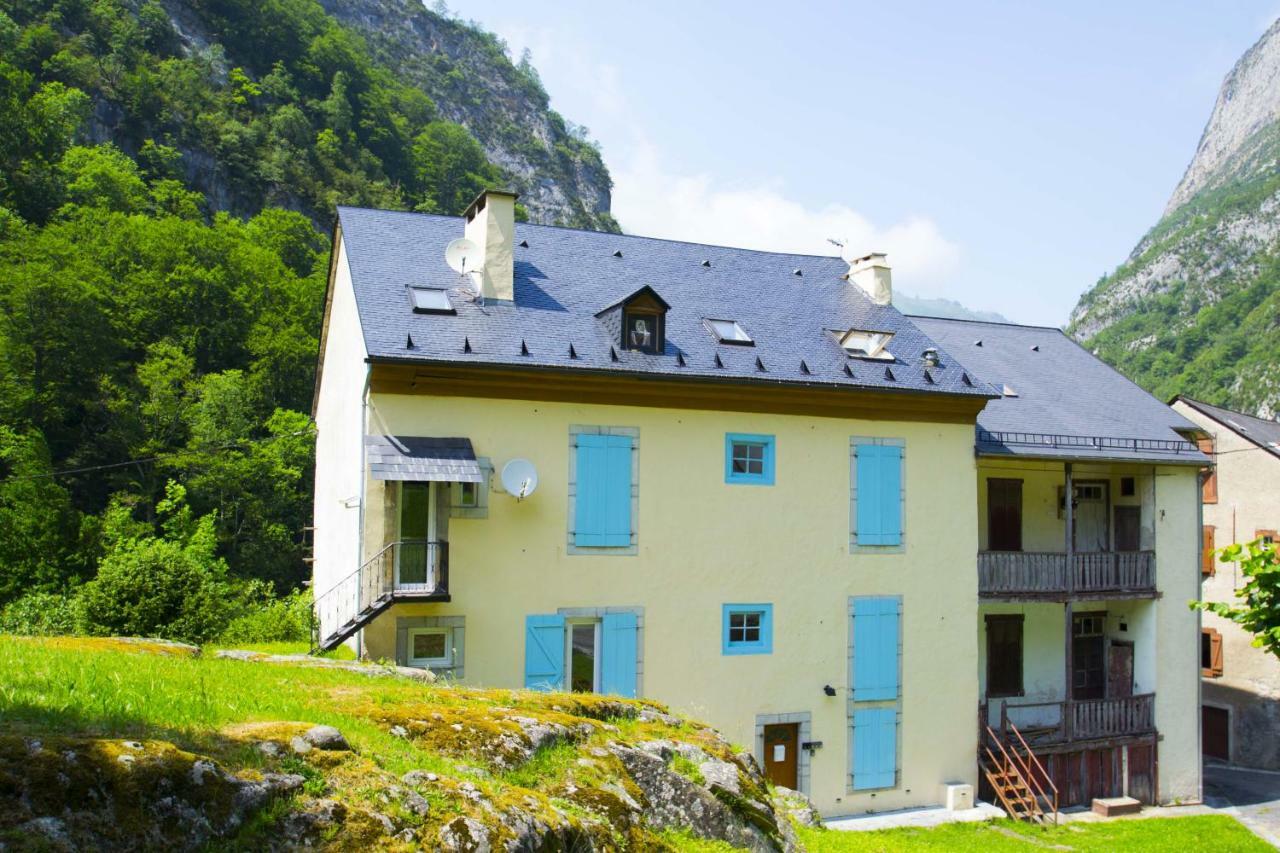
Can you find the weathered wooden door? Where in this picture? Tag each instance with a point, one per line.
(1119, 670)
(1128, 528)
(1090, 527)
(782, 754)
(1004, 514)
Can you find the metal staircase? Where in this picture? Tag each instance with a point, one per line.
(1019, 780)
(354, 602)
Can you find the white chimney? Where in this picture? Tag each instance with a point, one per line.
(873, 274)
(491, 225)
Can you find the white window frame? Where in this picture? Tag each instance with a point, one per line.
(430, 663)
(598, 628)
(434, 300)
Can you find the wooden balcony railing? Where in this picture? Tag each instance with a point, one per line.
(1046, 723)
(1045, 574)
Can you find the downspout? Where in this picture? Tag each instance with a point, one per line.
(364, 479)
(1201, 478)
(1068, 499)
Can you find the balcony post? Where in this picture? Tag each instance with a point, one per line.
(1068, 608)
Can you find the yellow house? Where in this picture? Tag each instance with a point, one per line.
(1241, 503)
(737, 482)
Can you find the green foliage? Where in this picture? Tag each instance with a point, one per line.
(41, 614)
(272, 620)
(1258, 608)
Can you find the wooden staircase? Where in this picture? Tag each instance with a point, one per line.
(1018, 778)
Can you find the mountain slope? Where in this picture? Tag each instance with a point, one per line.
(1195, 309)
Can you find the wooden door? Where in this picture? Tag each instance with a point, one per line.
(1119, 670)
(782, 754)
(1004, 514)
(1090, 531)
(1128, 528)
(1215, 735)
(1088, 656)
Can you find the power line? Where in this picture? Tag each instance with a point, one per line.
(146, 460)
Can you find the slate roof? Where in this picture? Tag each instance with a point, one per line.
(564, 277)
(1262, 432)
(416, 458)
(1069, 403)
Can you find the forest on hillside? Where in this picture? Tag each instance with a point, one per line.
(164, 213)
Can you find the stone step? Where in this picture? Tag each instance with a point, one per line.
(1113, 806)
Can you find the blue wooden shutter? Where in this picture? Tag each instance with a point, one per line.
(602, 511)
(544, 652)
(875, 748)
(875, 649)
(879, 494)
(618, 667)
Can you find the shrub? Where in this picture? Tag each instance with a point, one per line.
(41, 614)
(272, 620)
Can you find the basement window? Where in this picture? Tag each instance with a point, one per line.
(859, 343)
(729, 332)
(430, 300)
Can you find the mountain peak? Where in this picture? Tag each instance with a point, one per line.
(1248, 102)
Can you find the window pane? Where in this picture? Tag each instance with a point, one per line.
(467, 494)
(748, 457)
(413, 510)
(744, 627)
(583, 674)
(430, 299)
(429, 646)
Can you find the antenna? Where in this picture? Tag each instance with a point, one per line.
(519, 478)
(462, 255)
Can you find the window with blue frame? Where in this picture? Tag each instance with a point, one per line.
(747, 629)
(748, 459)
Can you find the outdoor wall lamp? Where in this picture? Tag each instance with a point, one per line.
(828, 689)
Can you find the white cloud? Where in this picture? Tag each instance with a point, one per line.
(651, 201)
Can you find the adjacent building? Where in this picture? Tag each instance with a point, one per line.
(1241, 504)
(743, 484)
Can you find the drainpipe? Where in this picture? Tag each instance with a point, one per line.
(1201, 478)
(1069, 609)
(364, 478)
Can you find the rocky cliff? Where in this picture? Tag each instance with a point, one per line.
(1195, 308)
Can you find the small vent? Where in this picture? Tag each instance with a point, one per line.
(804, 368)
(408, 343)
(1035, 348)
(680, 359)
(888, 374)
(760, 365)
(706, 263)
(797, 272)
(466, 345)
(524, 348)
(964, 377)
(848, 371)
(617, 253)
(928, 377)
(719, 363)
(978, 343)
(524, 244)
(613, 354)
(573, 353)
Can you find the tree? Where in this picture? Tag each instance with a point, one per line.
(1258, 609)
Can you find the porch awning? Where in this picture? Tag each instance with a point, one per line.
(420, 458)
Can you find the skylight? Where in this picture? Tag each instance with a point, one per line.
(730, 332)
(863, 344)
(430, 300)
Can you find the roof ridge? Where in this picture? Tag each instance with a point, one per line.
(604, 234)
(974, 322)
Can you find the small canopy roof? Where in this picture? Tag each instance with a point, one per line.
(420, 458)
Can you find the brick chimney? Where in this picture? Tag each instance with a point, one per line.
(873, 274)
(491, 225)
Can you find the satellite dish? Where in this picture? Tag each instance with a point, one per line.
(519, 478)
(462, 255)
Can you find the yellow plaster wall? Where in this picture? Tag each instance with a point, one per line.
(703, 543)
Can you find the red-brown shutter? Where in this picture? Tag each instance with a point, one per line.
(1215, 653)
(1209, 492)
(1206, 555)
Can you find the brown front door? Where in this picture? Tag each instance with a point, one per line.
(1215, 736)
(1088, 646)
(1119, 670)
(782, 754)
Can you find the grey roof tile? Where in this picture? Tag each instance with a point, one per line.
(1069, 404)
(398, 457)
(566, 277)
(1262, 432)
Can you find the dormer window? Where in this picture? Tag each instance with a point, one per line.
(729, 332)
(639, 321)
(430, 300)
(864, 344)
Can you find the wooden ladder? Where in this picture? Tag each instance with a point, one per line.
(1016, 779)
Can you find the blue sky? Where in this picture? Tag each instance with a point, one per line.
(1005, 154)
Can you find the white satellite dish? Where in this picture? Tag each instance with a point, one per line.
(462, 255)
(519, 478)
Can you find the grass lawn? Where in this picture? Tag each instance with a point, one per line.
(285, 648)
(1218, 833)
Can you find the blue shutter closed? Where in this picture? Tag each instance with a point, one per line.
(544, 652)
(875, 748)
(602, 509)
(875, 649)
(618, 667)
(879, 494)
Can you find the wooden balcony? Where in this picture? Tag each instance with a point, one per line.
(1048, 724)
(1044, 576)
